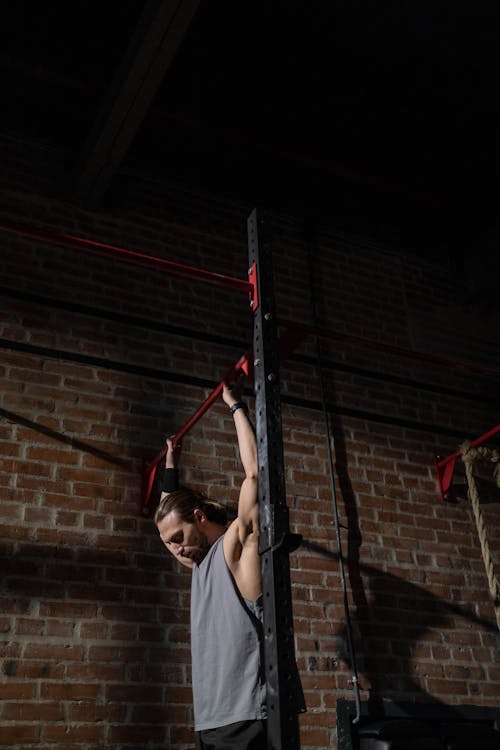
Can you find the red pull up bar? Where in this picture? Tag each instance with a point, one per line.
(286, 344)
(149, 471)
(446, 466)
(72, 242)
(390, 349)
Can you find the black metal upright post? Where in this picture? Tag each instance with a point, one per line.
(283, 688)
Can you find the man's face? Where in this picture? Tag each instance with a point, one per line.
(184, 540)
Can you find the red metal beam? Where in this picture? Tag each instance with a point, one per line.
(73, 242)
(446, 466)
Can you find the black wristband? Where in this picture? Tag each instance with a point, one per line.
(170, 480)
(238, 405)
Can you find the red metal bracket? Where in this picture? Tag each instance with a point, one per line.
(254, 290)
(446, 466)
(444, 469)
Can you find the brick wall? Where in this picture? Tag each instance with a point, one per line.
(99, 361)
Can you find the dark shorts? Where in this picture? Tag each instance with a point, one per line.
(243, 735)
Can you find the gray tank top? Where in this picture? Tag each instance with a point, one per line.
(226, 647)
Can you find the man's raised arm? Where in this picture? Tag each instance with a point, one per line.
(171, 476)
(248, 500)
(241, 542)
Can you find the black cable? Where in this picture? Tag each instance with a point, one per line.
(331, 442)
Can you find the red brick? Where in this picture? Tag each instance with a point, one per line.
(37, 711)
(134, 693)
(54, 651)
(52, 455)
(17, 690)
(447, 687)
(73, 691)
(12, 735)
(128, 733)
(95, 671)
(315, 737)
(66, 733)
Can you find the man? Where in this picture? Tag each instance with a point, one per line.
(226, 609)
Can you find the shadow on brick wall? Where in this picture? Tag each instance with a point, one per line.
(60, 437)
(409, 643)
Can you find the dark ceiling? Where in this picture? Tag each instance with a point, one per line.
(381, 115)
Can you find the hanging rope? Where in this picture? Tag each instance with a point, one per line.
(469, 457)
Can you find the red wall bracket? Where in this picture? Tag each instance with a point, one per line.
(254, 290)
(446, 466)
